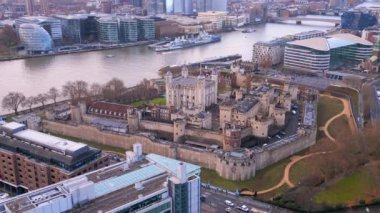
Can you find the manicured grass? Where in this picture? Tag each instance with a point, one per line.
(350, 92)
(222, 90)
(274, 193)
(264, 179)
(351, 188)
(339, 126)
(92, 144)
(328, 108)
(301, 169)
(155, 101)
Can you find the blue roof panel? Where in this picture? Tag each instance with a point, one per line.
(116, 183)
(336, 43)
(171, 164)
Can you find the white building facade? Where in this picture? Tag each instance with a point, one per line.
(189, 92)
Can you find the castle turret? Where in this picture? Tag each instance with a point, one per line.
(185, 72)
(214, 77)
(133, 121)
(179, 128)
(201, 96)
(231, 138)
(168, 86)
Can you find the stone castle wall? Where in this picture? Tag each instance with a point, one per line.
(229, 169)
(156, 126)
(269, 157)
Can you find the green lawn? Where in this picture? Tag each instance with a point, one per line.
(155, 101)
(264, 179)
(222, 90)
(92, 144)
(339, 126)
(349, 189)
(350, 92)
(328, 108)
(301, 169)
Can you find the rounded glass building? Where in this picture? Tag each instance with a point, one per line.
(35, 38)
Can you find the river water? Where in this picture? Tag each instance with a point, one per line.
(37, 75)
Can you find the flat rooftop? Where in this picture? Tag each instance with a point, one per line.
(331, 42)
(49, 141)
(106, 188)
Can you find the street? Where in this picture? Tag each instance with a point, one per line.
(215, 200)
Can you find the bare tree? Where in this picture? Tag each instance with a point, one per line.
(42, 98)
(113, 89)
(53, 94)
(12, 101)
(8, 39)
(96, 90)
(29, 102)
(75, 90)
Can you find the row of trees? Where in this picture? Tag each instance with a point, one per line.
(114, 90)
(14, 100)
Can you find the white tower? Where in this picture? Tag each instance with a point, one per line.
(185, 72)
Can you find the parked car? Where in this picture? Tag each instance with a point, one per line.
(203, 198)
(228, 209)
(243, 208)
(229, 203)
(278, 136)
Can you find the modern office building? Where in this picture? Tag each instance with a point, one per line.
(108, 29)
(269, 53)
(29, 7)
(79, 28)
(155, 7)
(308, 34)
(139, 184)
(35, 38)
(45, 7)
(128, 30)
(188, 7)
(146, 29)
(30, 159)
(326, 53)
(51, 25)
(85, 24)
(211, 5)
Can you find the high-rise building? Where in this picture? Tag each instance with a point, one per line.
(188, 8)
(219, 5)
(45, 7)
(29, 7)
(155, 7)
(139, 184)
(211, 5)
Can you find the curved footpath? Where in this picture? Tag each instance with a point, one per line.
(295, 159)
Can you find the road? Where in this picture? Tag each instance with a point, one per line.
(216, 200)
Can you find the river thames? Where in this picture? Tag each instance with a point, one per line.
(36, 75)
